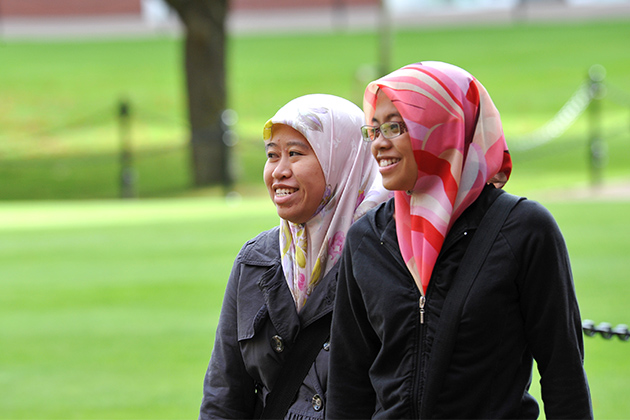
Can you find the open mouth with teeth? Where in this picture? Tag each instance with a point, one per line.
(387, 162)
(283, 192)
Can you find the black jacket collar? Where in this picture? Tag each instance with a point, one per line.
(383, 223)
(264, 251)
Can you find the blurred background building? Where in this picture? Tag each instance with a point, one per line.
(34, 18)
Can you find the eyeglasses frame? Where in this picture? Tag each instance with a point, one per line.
(403, 130)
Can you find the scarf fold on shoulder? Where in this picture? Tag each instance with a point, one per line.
(459, 147)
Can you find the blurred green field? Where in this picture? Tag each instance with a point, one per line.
(58, 132)
(108, 308)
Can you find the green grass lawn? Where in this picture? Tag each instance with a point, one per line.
(597, 237)
(108, 308)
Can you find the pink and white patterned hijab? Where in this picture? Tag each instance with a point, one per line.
(459, 147)
(332, 126)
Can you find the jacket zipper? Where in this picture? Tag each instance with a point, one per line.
(423, 300)
(421, 303)
(416, 399)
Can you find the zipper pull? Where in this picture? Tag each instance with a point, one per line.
(423, 300)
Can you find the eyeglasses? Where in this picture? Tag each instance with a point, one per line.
(389, 130)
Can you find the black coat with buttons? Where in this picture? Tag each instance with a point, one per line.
(257, 326)
(522, 307)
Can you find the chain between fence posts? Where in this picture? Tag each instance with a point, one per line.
(596, 145)
(127, 174)
(605, 330)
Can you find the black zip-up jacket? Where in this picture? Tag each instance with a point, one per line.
(258, 325)
(521, 307)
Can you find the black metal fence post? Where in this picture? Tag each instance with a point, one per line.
(596, 146)
(127, 174)
(385, 40)
(229, 117)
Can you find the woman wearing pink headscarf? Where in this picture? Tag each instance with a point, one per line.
(417, 333)
(321, 177)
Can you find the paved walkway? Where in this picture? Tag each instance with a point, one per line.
(309, 20)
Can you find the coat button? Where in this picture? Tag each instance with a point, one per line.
(317, 402)
(277, 343)
(326, 346)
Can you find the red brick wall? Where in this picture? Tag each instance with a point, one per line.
(54, 8)
(296, 4)
(58, 8)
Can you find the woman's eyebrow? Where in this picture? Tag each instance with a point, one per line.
(298, 143)
(388, 117)
(290, 143)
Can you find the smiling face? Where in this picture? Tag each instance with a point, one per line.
(395, 157)
(293, 175)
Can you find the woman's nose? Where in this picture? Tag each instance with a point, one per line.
(380, 142)
(282, 169)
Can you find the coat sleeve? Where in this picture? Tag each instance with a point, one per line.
(552, 318)
(228, 391)
(353, 348)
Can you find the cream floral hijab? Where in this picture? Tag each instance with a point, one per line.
(332, 126)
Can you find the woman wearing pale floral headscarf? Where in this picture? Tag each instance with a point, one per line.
(321, 178)
(448, 292)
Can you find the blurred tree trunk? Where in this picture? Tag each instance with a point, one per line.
(204, 21)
